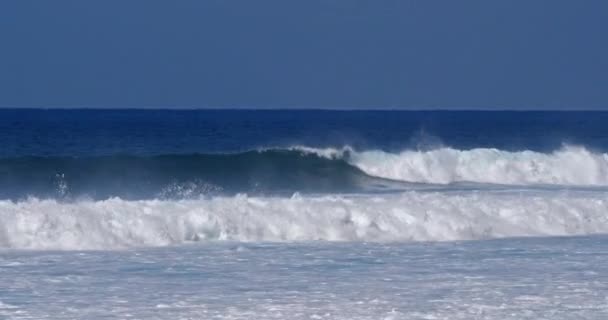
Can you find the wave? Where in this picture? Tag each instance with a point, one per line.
(180, 176)
(296, 169)
(569, 166)
(410, 216)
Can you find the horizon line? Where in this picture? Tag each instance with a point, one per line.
(185, 108)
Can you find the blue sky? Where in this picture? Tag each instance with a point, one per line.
(518, 54)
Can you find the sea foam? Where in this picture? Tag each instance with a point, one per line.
(410, 216)
(570, 165)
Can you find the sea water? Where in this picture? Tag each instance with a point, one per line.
(239, 214)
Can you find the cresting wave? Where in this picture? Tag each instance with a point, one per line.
(410, 216)
(571, 165)
(296, 169)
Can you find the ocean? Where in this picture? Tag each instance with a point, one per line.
(303, 214)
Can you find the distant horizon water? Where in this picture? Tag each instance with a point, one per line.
(307, 108)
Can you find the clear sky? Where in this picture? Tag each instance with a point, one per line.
(519, 54)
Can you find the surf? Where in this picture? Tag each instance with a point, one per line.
(404, 217)
(567, 166)
(308, 170)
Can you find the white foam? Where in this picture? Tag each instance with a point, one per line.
(330, 153)
(567, 166)
(412, 216)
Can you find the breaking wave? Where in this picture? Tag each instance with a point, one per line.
(409, 216)
(297, 169)
(570, 165)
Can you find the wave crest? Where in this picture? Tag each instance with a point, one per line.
(570, 165)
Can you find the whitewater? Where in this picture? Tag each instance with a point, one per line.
(448, 195)
(569, 165)
(410, 216)
(303, 215)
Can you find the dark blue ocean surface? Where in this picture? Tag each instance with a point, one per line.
(110, 132)
(168, 153)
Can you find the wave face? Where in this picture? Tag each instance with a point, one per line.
(568, 166)
(410, 216)
(179, 176)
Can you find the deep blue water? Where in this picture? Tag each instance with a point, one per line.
(172, 153)
(109, 132)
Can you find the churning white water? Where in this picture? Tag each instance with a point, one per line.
(408, 216)
(570, 165)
